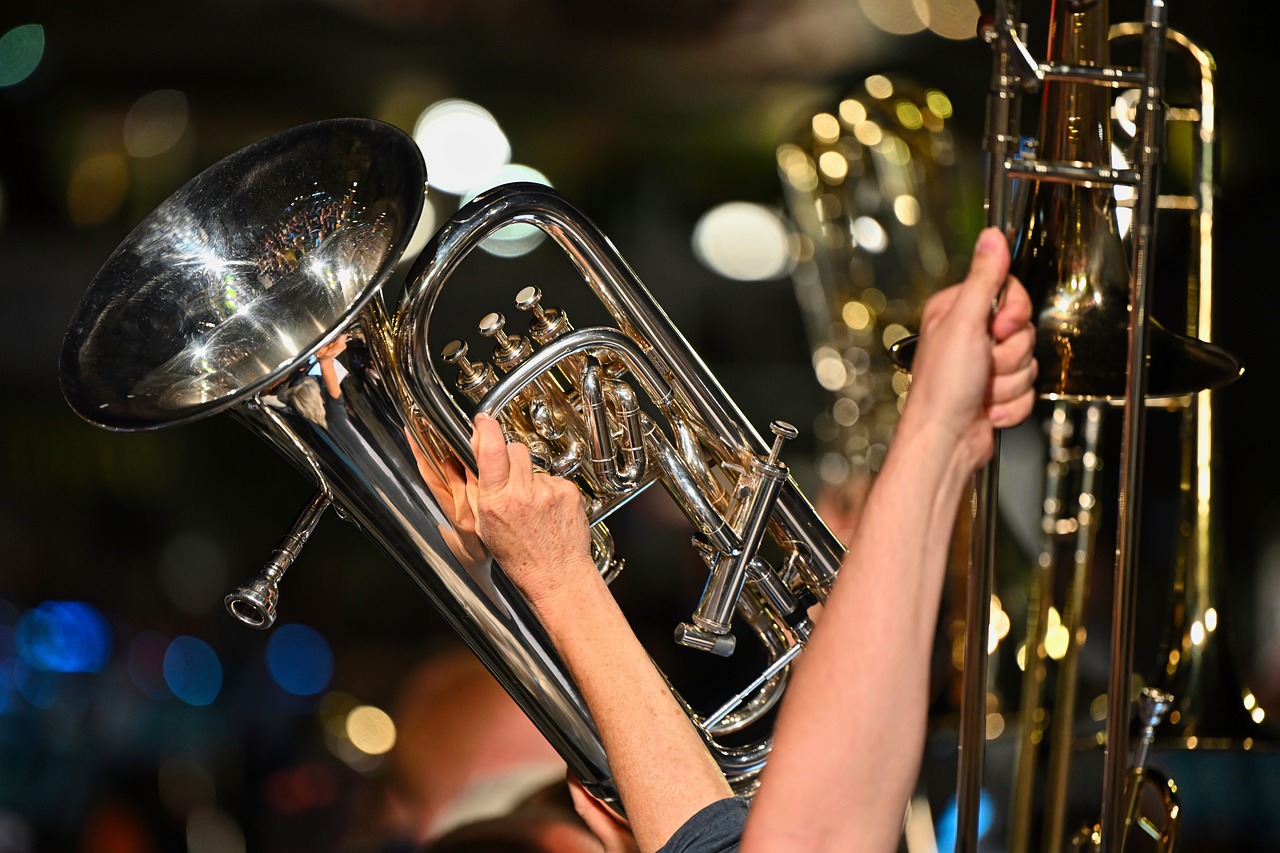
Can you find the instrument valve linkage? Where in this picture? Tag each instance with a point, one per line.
(755, 496)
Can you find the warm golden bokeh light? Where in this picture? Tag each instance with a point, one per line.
(97, 188)
(951, 19)
(826, 129)
(371, 730)
(833, 165)
(856, 315)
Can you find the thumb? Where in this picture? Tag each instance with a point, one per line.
(492, 462)
(987, 272)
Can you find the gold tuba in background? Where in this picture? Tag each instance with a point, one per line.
(873, 189)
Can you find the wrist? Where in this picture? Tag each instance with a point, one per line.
(565, 597)
(933, 452)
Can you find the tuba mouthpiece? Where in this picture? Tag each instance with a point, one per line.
(255, 603)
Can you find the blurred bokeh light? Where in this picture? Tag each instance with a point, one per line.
(299, 659)
(192, 670)
(462, 143)
(64, 636)
(743, 241)
(21, 50)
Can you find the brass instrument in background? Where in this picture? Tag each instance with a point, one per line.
(870, 187)
(1099, 348)
(876, 187)
(219, 299)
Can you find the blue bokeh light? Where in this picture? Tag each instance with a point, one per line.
(947, 822)
(8, 662)
(192, 670)
(40, 687)
(64, 636)
(299, 659)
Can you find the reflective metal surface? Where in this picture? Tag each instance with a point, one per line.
(701, 448)
(241, 272)
(872, 186)
(218, 300)
(255, 290)
(1097, 344)
(357, 448)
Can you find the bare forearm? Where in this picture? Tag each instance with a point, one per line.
(863, 681)
(329, 375)
(640, 722)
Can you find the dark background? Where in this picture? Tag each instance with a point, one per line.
(646, 114)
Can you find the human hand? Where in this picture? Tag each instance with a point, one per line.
(615, 836)
(534, 523)
(972, 371)
(448, 485)
(333, 349)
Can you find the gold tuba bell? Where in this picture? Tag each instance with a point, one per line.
(1101, 353)
(220, 299)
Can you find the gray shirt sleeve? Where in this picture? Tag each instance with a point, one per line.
(715, 829)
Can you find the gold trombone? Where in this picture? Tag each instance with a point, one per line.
(1099, 348)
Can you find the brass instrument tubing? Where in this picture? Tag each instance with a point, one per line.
(627, 300)
(702, 513)
(634, 427)
(290, 546)
(773, 669)
(1125, 77)
(600, 430)
(1031, 708)
(775, 591)
(1001, 132)
(1150, 108)
(574, 342)
(683, 487)
(725, 582)
(1064, 713)
(1068, 173)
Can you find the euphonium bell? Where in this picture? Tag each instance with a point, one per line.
(257, 289)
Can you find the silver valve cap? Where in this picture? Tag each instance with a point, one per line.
(783, 432)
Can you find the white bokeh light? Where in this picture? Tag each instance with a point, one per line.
(517, 238)
(743, 241)
(462, 144)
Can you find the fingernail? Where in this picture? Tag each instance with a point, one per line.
(989, 240)
(483, 416)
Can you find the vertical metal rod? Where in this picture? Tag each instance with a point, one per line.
(971, 750)
(973, 705)
(1131, 450)
(1061, 429)
(1064, 714)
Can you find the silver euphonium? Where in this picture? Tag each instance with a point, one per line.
(221, 299)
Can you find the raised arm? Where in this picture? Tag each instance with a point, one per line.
(536, 527)
(850, 732)
(328, 373)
